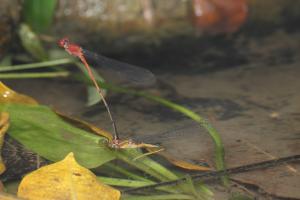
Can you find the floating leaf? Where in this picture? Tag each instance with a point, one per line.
(65, 180)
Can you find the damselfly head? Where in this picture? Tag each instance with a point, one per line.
(64, 42)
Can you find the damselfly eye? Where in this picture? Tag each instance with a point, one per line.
(64, 42)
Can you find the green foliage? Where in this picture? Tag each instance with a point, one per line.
(38, 128)
(39, 14)
(41, 130)
(32, 43)
(219, 149)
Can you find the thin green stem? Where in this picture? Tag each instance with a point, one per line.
(36, 65)
(146, 164)
(34, 75)
(127, 173)
(122, 182)
(135, 181)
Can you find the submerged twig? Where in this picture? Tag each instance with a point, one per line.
(218, 174)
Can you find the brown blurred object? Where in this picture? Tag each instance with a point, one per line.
(118, 24)
(114, 26)
(219, 16)
(9, 15)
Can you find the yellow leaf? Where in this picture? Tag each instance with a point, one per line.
(65, 180)
(9, 96)
(4, 124)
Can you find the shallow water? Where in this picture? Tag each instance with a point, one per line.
(251, 95)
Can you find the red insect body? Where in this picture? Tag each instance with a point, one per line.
(71, 48)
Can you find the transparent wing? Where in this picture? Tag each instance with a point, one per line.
(120, 71)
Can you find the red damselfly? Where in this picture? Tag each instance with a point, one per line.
(128, 72)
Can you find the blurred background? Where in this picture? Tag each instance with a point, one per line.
(152, 33)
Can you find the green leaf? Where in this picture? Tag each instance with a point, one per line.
(34, 75)
(39, 13)
(92, 96)
(32, 43)
(39, 129)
